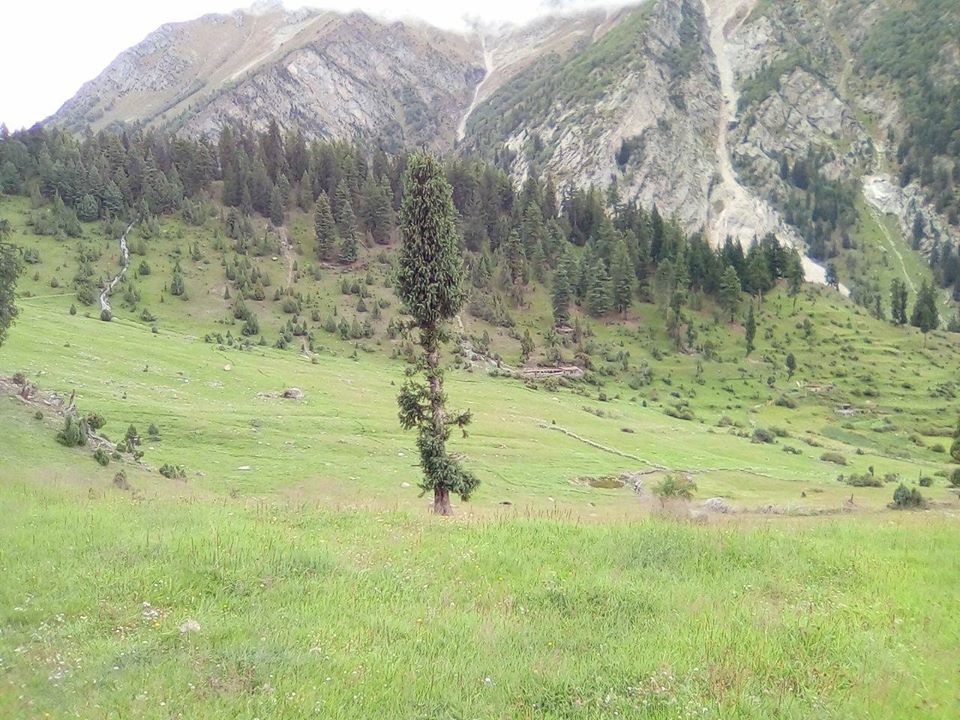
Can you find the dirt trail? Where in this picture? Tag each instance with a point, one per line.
(124, 264)
(488, 71)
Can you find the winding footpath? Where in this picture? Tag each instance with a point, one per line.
(124, 264)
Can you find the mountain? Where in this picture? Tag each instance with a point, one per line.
(736, 116)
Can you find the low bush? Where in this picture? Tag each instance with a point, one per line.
(834, 457)
(762, 435)
(955, 478)
(865, 480)
(925, 481)
(674, 487)
(101, 456)
(95, 421)
(174, 472)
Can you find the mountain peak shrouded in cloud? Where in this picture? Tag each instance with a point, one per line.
(463, 16)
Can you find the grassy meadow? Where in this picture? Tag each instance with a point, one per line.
(294, 572)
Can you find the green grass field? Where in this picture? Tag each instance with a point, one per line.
(299, 544)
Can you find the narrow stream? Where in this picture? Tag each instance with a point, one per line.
(124, 264)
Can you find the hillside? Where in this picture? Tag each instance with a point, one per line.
(664, 297)
(704, 108)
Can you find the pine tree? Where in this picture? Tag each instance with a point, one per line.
(526, 346)
(898, 301)
(276, 207)
(599, 291)
(751, 329)
(623, 277)
(430, 285)
(324, 227)
(791, 365)
(925, 314)
(561, 296)
(728, 294)
(376, 210)
(794, 276)
(347, 223)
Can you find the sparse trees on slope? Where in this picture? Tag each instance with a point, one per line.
(430, 284)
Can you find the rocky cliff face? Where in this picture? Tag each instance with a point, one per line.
(691, 105)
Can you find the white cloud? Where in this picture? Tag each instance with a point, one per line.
(49, 49)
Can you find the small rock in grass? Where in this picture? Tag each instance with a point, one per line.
(717, 505)
(190, 626)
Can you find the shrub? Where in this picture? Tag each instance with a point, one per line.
(762, 435)
(834, 457)
(120, 481)
(784, 401)
(132, 437)
(38, 415)
(905, 498)
(955, 478)
(174, 472)
(74, 432)
(938, 448)
(106, 315)
(73, 309)
(153, 431)
(925, 481)
(101, 456)
(672, 487)
(95, 421)
(19, 379)
(865, 480)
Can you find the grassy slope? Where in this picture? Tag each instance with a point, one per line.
(835, 617)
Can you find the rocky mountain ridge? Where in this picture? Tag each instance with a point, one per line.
(692, 105)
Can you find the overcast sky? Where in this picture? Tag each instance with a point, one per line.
(48, 50)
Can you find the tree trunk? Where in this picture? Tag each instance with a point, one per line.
(441, 495)
(441, 501)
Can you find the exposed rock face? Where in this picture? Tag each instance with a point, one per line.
(907, 204)
(356, 79)
(647, 96)
(334, 76)
(662, 106)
